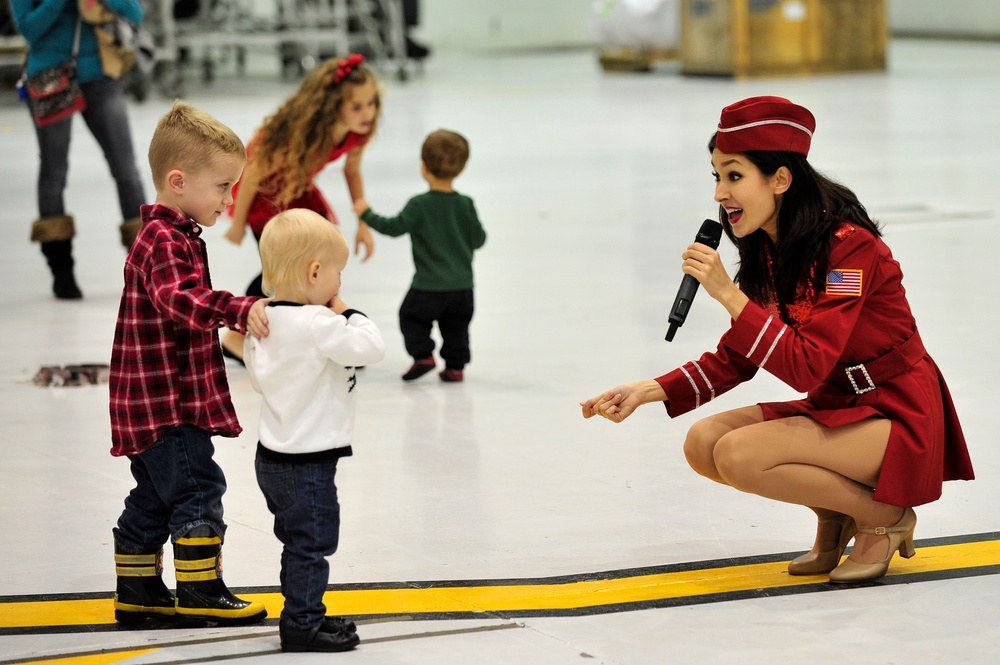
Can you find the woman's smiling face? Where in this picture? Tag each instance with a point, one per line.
(751, 199)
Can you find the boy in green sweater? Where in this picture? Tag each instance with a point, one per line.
(444, 232)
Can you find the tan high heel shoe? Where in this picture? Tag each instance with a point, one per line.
(820, 563)
(900, 538)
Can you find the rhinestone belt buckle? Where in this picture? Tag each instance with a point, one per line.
(854, 384)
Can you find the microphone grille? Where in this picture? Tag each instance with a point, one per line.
(710, 233)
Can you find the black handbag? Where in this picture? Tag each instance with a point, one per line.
(54, 94)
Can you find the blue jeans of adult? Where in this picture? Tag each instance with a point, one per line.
(106, 116)
(179, 486)
(303, 498)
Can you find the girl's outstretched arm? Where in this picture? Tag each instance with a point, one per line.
(356, 187)
(247, 192)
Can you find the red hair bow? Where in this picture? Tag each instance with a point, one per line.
(345, 66)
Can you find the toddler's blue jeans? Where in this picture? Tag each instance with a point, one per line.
(303, 498)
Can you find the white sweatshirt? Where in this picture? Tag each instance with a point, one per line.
(305, 370)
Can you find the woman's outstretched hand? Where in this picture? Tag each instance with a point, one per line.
(619, 403)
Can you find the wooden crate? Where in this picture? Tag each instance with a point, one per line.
(745, 38)
(633, 60)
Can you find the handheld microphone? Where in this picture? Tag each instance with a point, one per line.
(709, 234)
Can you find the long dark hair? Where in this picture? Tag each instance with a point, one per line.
(811, 209)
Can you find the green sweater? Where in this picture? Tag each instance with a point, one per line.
(444, 232)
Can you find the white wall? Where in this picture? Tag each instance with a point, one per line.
(508, 24)
(964, 18)
(500, 24)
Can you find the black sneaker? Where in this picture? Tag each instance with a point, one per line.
(316, 639)
(419, 368)
(332, 624)
(451, 375)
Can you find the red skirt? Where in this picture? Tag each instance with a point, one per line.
(262, 209)
(926, 443)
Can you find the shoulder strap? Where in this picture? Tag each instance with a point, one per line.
(76, 39)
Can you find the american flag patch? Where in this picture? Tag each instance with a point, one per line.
(843, 283)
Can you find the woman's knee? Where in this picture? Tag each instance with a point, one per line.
(734, 459)
(699, 446)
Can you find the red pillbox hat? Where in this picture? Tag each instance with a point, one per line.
(765, 123)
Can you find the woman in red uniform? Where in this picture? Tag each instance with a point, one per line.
(818, 302)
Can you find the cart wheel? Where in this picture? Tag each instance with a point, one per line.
(291, 66)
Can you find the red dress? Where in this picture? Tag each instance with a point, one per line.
(861, 315)
(263, 207)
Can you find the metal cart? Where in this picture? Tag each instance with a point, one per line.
(12, 47)
(207, 33)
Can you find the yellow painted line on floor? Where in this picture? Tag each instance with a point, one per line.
(531, 597)
(96, 659)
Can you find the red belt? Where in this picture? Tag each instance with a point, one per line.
(865, 377)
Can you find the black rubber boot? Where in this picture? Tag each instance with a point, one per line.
(140, 593)
(59, 254)
(202, 596)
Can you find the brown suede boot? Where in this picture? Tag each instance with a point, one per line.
(56, 237)
(130, 229)
(47, 229)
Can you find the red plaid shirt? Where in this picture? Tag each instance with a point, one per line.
(166, 366)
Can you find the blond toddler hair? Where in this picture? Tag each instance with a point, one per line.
(290, 242)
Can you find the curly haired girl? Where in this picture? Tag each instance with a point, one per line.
(334, 112)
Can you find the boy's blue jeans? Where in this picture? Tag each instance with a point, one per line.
(303, 498)
(179, 486)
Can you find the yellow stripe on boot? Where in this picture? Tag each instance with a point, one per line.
(202, 596)
(140, 593)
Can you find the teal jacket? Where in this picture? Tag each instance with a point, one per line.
(444, 232)
(49, 25)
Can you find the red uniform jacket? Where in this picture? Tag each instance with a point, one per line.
(860, 316)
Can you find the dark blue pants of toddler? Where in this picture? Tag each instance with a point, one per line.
(301, 493)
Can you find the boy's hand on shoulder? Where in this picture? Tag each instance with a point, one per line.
(257, 319)
(360, 206)
(337, 305)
